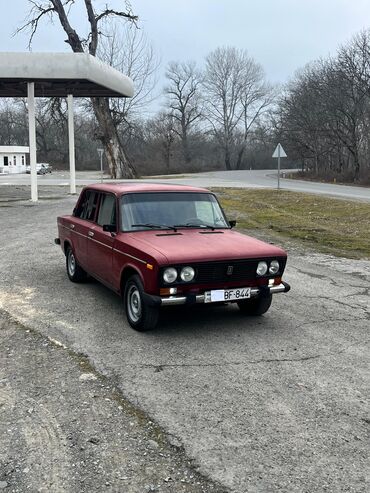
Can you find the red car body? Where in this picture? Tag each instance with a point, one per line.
(221, 258)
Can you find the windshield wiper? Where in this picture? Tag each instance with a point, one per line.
(154, 226)
(191, 225)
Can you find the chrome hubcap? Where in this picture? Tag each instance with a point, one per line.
(134, 303)
(71, 263)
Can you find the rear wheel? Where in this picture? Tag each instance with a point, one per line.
(140, 315)
(74, 270)
(255, 306)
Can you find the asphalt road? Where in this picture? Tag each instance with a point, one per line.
(268, 179)
(242, 178)
(277, 403)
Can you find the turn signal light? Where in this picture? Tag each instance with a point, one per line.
(167, 291)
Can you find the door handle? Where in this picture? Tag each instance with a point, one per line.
(72, 226)
(91, 234)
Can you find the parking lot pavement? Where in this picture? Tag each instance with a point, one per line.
(21, 193)
(277, 403)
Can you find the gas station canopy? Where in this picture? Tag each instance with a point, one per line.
(60, 75)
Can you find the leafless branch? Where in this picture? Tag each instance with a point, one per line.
(117, 13)
(37, 12)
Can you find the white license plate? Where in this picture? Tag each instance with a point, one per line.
(227, 294)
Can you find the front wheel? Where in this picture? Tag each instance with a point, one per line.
(140, 315)
(255, 306)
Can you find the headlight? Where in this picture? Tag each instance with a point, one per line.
(261, 268)
(274, 267)
(187, 274)
(170, 275)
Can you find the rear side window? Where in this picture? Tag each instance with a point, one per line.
(107, 210)
(88, 205)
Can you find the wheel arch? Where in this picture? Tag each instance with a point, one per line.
(127, 272)
(66, 244)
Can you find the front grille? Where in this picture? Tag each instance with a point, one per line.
(225, 271)
(229, 271)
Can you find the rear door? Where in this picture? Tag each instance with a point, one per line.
(100, 243)
(84, 217)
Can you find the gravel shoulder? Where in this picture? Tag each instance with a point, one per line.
(64, 427)
(21, 193)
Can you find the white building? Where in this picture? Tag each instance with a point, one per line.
(13, 159)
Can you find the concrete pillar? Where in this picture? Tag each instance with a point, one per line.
(32, 138)
(71, 137)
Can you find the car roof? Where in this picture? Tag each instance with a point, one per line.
(124, 187)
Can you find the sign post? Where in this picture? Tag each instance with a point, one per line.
(279, 153)
(100, 152)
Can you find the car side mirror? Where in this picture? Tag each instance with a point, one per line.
(232, 223)
(109, 228)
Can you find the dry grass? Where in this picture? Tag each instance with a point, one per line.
(334, 226)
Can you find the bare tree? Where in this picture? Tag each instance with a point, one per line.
(129, 51)
(236, 95)
(119, 164)
(353, 73)
(326, 112)
(163, 130)
(304, 124)
(13, 122)
(184, 101)
(223, 89)
(255, 99)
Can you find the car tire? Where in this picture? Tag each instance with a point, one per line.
(255, 306)
(140, 315)
(74, 271)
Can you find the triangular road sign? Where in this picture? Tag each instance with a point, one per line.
(279, 147)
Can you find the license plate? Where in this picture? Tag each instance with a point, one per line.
(227, 294)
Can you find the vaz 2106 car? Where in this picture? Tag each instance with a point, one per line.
(160, 245)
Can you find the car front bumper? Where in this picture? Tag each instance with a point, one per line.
(191, 299)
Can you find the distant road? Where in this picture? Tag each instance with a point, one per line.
(268, 179)
(242, 179)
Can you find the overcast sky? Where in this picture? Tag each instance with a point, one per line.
(282, 35)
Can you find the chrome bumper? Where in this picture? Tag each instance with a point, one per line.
(284, 287)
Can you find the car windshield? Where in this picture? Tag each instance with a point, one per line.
(169, 210)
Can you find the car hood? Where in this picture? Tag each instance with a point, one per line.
(202, 245)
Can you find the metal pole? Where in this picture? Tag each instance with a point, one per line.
(101, 167)
(100, 152)
(279, 167)
(71, 138)
(32, 138)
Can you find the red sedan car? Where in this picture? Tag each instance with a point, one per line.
(159, 245)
